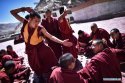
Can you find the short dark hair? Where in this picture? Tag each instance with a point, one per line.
(34, 14)
(3, 52)
(48, 10)
(80, 32)
(94, 25)
(65, 60)
(115, 30)
(61, 10)
(9, 64)
(9, 46)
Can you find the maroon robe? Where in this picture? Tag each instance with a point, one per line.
(102, 65)
(53, 28)
(40, 57)
(100, 34)
(119, 43)
(67, 33)
(20, 73)
(4, 78)
(60, 75)
(13, 54)
(85, 38)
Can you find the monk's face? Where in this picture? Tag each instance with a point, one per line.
(72, 65)
(80, 35)
(94, 29)
(96, 48)
(34, 22)
(48, 14)
(114, 35)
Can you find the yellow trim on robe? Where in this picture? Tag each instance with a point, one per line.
(34, 38)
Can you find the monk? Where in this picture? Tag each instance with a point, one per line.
(40, 56)
(83, 41)
(51, 25)
(14, 55)
(118, 43)
(67, 33)
(118, 39)
(65, 73)
(15, 72)
(99, 33)
(103, 67)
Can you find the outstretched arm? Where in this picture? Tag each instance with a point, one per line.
(23, 9)
(53, 38)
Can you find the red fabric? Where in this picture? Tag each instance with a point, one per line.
(21, 72)
(13, 54)
(65, 76)
(53, 28)
(120, 53)
(66, 33)
(4, 78)
(40, 57)
(65, 28)
(85, 38)
(7, 57)
(102, 65)
(100, 34)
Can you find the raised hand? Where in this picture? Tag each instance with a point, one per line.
(29, 9)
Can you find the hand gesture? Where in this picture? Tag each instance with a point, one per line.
(29, 9)
(66, 43)
(65, 12)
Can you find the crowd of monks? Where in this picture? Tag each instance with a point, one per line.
(52, 51)
(12, 68)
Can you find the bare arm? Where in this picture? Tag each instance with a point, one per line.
(53, 38)
(62, 15)
(23, 9)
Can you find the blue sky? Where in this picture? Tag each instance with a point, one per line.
(7, 5)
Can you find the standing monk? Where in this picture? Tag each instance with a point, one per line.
(67, 32)
(51, 25)
(41, 58)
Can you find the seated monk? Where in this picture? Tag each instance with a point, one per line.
(103, 67)
(118, 43)
(7, 58)
(99, 33)
(14, 55)
(16, 72)
(65, 73)
(83, 41)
